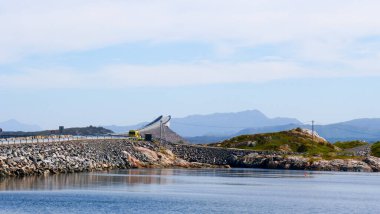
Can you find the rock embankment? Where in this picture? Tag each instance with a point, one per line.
(271, 159)
(92, 155)
(360, 150)
(213, 155)
(85, 155)
(366, 164)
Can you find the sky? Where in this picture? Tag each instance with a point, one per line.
(104, 62)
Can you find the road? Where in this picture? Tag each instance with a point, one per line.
(25, 140)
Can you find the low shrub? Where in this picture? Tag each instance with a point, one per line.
(350, 144)
(375, 149)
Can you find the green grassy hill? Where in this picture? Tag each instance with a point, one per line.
(295, 140)
(350, 144)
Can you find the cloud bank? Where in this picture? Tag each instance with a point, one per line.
(329, 39)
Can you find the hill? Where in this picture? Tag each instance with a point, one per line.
(350, 144)
(360, 129)
(375, 149)
(348, 132)
(225, 123)
(206, 139)
(332, 132)
(364, 123)
(124, 129)
(268, 129)
(203, 129)
(295, 140)
(14, 125)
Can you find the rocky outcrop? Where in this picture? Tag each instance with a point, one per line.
(85, 155)
(213, 155)
(360, 150)
(271, 159)
(373, 162)
(368, 164)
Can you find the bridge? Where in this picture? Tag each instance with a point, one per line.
(159, 128)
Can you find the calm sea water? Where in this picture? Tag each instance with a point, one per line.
(193, 191)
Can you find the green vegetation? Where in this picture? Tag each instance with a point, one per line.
(294, 140)
(350, 144)
(375, 149)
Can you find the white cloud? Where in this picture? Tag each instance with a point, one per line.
(42, 26)
(172, 75)
(322, 32)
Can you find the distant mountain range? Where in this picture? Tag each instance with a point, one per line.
(220, 126)
(359, 129)
(215, 124)
(14, 125)
(225, 123)
(124, 129)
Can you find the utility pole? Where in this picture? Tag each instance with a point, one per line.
(163, 133)
(160, 132)
(312, 129)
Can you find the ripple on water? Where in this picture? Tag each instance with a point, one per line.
(193, 190)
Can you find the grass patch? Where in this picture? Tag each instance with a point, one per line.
(297, 140)
(350, 144)
(375, 149)
(288, 141)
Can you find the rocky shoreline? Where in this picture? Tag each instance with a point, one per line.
(297, 162)
(273, 160)
(86, 155)
(96, 155)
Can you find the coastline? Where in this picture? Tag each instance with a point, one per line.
(99, 155)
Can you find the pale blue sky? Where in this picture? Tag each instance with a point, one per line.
(123, 62)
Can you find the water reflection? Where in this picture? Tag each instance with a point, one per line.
(89, 180)
(193, 191)
(245, 173)
(124, 179)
